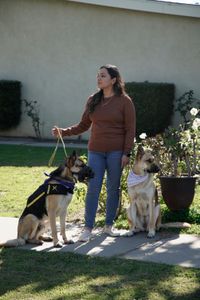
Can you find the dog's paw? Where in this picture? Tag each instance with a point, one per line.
(58, 245)
(46, 238)
(151, 234)
(68, 242)
(127, 234)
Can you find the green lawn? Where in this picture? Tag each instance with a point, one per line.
(29, 156)
(44, 276)
(41, 275)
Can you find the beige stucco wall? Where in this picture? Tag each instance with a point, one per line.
(55, 48)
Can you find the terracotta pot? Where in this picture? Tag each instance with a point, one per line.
(177, 192)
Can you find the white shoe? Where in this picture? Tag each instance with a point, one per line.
(85, 236)
(109, 231)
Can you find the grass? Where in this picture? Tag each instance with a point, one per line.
(42, 275)
(37, 275)
(29, 156)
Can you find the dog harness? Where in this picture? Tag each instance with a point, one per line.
(134, 179)
(36, 202)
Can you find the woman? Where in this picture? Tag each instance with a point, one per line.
(111, 115)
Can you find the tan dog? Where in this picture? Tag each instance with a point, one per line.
(49, 201)
(144, 211)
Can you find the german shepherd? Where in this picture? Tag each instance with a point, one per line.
(144, 210)
(49, 201)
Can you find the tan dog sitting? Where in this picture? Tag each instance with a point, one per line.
(144, 211)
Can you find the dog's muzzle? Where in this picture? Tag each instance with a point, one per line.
(85, 173)
(153, 169)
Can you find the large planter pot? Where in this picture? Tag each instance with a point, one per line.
(177, 192)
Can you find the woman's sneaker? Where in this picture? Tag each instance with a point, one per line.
(110, 231)
(85, 236)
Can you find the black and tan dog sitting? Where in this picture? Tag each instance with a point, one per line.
(144, 210)
(50, 200)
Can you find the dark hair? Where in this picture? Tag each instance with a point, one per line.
(118, 86)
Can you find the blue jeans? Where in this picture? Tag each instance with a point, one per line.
(101, 162)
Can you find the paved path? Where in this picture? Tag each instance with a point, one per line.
(168, 248)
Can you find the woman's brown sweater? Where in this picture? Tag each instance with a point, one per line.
(112, 125)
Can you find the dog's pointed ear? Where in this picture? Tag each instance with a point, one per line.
(73, 155)
(140, 152)
(71, 159)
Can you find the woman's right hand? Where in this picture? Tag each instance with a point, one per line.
(55, 131)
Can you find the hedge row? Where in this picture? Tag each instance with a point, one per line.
(153, 102)
(154, 105)
(10, 104)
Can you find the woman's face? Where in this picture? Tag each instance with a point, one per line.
(104, 79)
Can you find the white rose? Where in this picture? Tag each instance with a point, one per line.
(187, 135)
(196, 124)
(194, 111)
(143, 136)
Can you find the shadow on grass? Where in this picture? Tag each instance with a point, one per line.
(57, 275)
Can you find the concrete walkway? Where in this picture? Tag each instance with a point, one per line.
(168, 248)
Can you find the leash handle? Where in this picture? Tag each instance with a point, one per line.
(56, 148)
(60, 136)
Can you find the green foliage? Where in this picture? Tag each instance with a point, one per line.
(10, 104)
(190, 215)
(185, 103)
(154, 105)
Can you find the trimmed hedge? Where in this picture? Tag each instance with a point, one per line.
(154, 105)
(10, 104)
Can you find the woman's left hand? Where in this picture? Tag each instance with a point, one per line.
(124, 161)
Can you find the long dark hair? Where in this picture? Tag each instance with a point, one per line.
(118, 86)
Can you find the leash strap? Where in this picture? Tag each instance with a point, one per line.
(56, 148)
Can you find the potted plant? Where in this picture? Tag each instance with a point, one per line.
(178, 150)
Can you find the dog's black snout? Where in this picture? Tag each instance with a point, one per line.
(89, 172)
(153, 169)
(85, 174)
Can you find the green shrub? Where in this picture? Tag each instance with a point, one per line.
(10, 104)
(154, 105)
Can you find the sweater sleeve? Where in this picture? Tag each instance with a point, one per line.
(130, 124)
(80, 127)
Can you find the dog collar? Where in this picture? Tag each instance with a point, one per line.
(134, 179)
(68, 184)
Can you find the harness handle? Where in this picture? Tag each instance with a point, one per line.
(56, 148)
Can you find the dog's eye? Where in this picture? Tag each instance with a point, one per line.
(79, 165)
(150, 160)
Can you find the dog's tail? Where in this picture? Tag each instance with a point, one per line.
(176, 225)
(13, 243)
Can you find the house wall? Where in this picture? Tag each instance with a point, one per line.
(55, 48)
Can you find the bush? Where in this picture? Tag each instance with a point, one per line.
(10, 104)
(154, 105)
